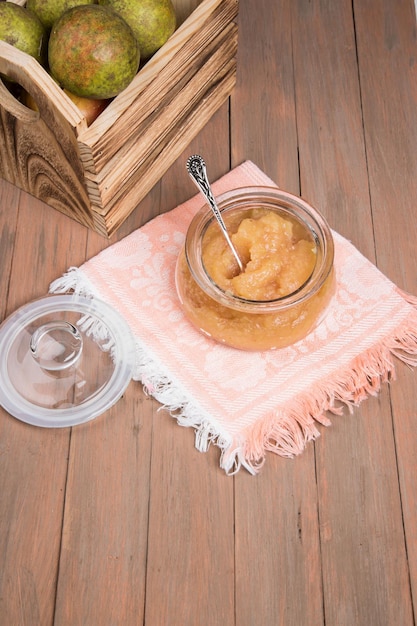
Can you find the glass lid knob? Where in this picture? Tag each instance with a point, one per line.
(56, 345)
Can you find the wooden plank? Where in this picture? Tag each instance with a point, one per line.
(404, 402)
(365, 573)
(278, 577)
(105, 530)
(391, 134)
(263, 125)
(329, 119)
(33, 461)
(190, 574)
(277, 554)
(47, 243)
(359, 505)
(190, 557)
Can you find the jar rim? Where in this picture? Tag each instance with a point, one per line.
(280, 201)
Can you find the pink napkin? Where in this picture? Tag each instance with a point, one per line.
(248, 403)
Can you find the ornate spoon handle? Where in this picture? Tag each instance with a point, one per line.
(197, 170)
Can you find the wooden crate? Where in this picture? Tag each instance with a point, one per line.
(99, 174)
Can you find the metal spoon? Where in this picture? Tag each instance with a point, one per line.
(197, 170)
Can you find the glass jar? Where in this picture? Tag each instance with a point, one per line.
(288, 279)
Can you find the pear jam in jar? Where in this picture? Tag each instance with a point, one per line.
(287, 281)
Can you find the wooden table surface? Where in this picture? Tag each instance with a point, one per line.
(121, 521)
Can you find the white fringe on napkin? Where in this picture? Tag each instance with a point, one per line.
(156, 383)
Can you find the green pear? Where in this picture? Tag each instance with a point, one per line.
(92, 52)
(20, 28)
(48, 11)
(152, 21)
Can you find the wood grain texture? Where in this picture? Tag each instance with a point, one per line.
(122, 521)
(176, 143)
(9, 206)
(39, 154)
(190, 576)
(334, 174)
(105, 523)
(32, 483)
(33, 461)
(277, 536)
(263, 119)
(391, 136)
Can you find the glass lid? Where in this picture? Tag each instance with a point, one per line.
(65, 359)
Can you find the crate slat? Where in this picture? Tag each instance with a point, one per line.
(160, 163)
(115, 177)
(134, 190)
